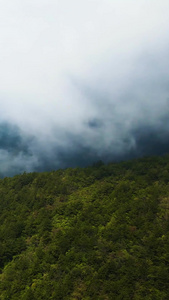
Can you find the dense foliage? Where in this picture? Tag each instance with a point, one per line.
(100, 232)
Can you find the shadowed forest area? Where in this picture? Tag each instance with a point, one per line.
(100, 232)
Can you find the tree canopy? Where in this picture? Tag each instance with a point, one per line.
(100, 232)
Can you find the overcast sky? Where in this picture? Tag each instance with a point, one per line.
(82, 80)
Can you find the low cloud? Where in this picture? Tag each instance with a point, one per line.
(82, 82)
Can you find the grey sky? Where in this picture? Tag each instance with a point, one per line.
(82, 80)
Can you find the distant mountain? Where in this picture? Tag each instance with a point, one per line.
(100, 232)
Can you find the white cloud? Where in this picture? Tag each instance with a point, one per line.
(64, 63)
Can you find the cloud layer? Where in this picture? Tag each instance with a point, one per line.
(82, 81)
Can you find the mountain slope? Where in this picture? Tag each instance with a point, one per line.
(100, 232)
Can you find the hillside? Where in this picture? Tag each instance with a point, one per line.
(100, 232)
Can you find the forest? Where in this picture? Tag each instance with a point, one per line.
(93, 233)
